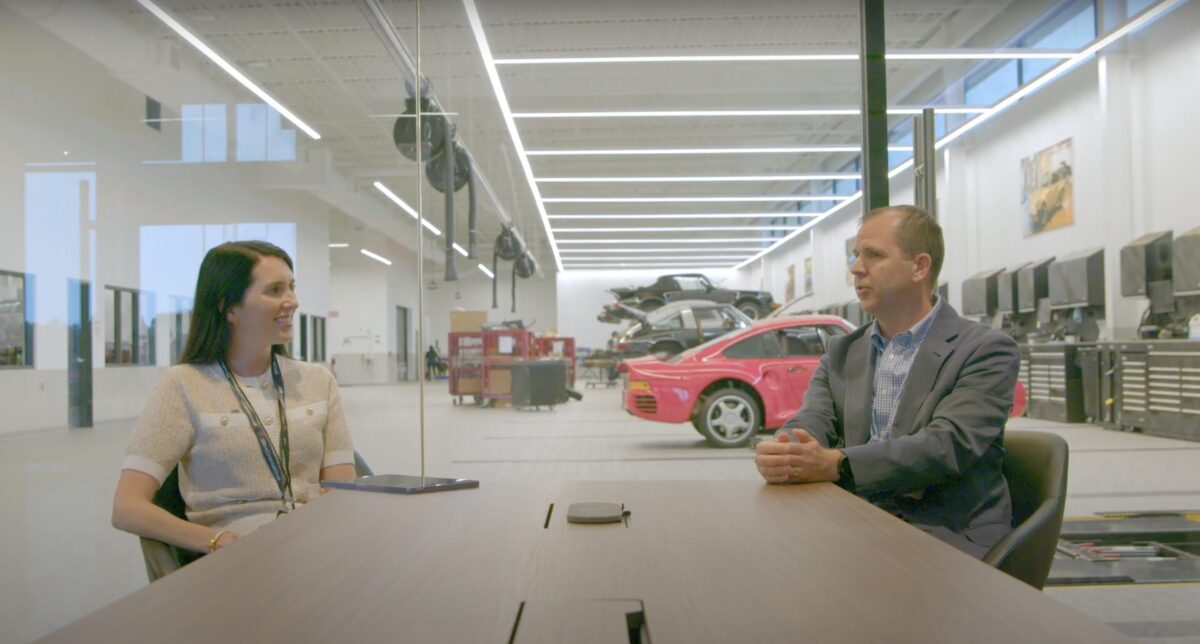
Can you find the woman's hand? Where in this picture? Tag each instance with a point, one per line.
(226, 537)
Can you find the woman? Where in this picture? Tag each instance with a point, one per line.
(217, 414)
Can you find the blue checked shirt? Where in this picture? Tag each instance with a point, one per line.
(893, 359)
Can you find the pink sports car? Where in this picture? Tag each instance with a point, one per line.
(733, 386)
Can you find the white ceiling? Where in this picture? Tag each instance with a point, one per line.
(322, 59)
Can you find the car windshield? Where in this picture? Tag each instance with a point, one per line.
(728, 336)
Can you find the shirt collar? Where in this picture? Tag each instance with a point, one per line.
(917, 333)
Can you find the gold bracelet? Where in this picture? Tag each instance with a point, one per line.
(212, 543)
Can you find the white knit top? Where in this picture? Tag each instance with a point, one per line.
(192, 419)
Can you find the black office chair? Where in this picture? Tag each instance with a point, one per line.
(163, 558)
(1035, 465)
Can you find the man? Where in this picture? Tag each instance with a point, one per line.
(908, 412)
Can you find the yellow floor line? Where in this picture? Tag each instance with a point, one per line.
(1095, 586)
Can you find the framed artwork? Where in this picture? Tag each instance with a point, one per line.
(789, 291)
(1047, 195)
(808, 275)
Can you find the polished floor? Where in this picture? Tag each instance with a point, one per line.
(60, 558)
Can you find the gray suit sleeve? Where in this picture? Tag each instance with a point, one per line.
(965, 424)
(817, 416)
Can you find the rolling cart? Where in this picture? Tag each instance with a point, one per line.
(466, 366)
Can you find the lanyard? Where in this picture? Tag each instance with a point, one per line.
(280, 468)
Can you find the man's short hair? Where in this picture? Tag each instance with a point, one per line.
(918, 233)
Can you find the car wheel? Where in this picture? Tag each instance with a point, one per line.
(664, 350)
(729, 418)
(751, 309)
(649, 305)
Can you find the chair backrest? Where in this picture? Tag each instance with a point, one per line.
(1035, 464)
(163, 558)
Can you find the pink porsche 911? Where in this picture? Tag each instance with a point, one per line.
(732, 387)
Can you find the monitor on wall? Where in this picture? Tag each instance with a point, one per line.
(1077, 280)
(1185, 263)
(1006, 290)
(1144, 260)
(1032, 284)
(979, 297)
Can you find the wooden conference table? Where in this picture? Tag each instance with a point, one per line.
(708, 561)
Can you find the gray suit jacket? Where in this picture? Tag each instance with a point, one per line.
(941, 469)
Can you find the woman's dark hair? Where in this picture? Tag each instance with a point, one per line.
(225, 274)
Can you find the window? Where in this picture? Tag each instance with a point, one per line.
(1071, 28)
(182, 306)
(129, 326)
(759, 345)
(691, 283)
(802, 341)
(16, 323)
(668, 323)
(202, 132)
(992, 84)
(714, 318)
(318, 339)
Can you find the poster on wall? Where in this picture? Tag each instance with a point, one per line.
(789, 291)
(849, 261)
(808, 276)
(1047, 197)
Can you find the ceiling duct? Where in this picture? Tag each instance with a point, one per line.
(524, 268)
(508, 247)
(435, 170)
(404, 132)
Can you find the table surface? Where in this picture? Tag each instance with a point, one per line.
(710, 561)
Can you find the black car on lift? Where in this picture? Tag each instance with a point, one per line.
(688, 286)
(674, 327)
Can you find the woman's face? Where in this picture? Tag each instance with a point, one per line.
(264, 317)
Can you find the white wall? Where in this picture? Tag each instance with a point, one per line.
(1128, 115)
(583, 294)
(61, 100)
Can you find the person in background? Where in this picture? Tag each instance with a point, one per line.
(251, 431)
(909, 411)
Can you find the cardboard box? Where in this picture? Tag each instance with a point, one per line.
(470, 386)
(499, 381)
(467, 321)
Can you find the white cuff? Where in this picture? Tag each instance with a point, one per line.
(146, 466)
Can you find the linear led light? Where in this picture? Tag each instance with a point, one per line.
(961, 54)
(489, 63)
(716, 113)
(772, 198)
(720, 240)
(731, 215)
(461, 251)
(337, 245)
(1142, 20)
(832, 176)
(405, 207)
(379, 258)
(626, 258)
(812, 149)
(667, 229)
(704, 265)
(487, 271)
(746, 249)
(229, 69)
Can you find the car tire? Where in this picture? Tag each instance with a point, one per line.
(649, 305)
(729, 418)
(665, 349)
(752, 309)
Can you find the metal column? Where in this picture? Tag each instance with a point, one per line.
(874, 105)
(925, 163)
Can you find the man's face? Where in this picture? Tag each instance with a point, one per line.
(884, 279)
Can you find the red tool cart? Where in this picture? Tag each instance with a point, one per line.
(466, 366)
(559, 347)
(500, 348)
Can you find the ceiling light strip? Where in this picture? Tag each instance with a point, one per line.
(736, 249)
(626, 258)
(771, 198)
(339, 245)
(379, 258)
(405, 207)
(667, 229)
(225, 65)
(813, 149)
(723, 113)
(947, 54)
(460, 250)
(734, 215)
(701, 240)
(487, 271)
(1142, 20)
(489, 63)
(831, 176)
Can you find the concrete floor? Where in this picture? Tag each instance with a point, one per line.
(61, 559)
